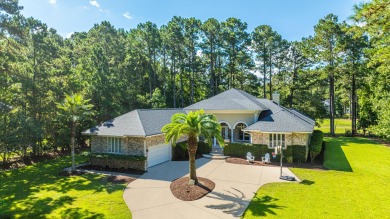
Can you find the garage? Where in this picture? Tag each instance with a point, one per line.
(158, 154)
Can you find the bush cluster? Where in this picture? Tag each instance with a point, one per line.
(180, 152)
(118, 156)
(297, 152)
(315, 145)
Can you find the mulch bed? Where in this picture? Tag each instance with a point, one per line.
(116, 170)
(242, 161)
(181, 190)
(120, 179)
(236, 160)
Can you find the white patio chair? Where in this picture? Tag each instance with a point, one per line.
(266, 158)
(249, 157)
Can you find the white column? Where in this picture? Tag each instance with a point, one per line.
(215, 142)
(231, 135)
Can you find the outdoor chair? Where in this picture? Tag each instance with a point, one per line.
(266, 158)
(249, 157)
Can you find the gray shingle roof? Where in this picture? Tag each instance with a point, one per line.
(229, 100)
(280, 119)
(141, 122)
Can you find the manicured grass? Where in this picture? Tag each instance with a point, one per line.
(340, 124)
(356, 186)
(39, 192)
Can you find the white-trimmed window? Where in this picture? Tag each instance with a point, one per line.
(114, 145)
(276, 139)
(243, 136)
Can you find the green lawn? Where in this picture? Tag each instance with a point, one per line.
(340, 124)
(39, 192)
(356, 186)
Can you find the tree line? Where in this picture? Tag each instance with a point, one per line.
(345, 64)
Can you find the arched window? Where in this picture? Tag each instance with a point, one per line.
(239, 134)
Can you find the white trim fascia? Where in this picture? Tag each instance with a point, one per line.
(147, 136)
(111, 136)
(230, 111)
(135, 136)
(277, 132)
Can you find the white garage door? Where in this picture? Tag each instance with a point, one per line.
(158, 154)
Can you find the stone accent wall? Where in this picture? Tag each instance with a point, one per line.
(130, 145)
(133, 146)
(99, 144)
(259, 138)
(118, 163)
(291, 139)
(300, 138)
(155, 140)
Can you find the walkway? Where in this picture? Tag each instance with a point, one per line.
(150, 195)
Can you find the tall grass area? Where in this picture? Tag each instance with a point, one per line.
(355, 186)
(39, 192)
(340, 126)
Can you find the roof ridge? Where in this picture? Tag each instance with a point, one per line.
(296, 115)
(305, 123)
(160, 109)
(302, 114)
(140, 121)
(252, 98)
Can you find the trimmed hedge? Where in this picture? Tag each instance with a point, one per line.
(119, 156)
(203, 148)
(240, 150)
(297, 152)
(315, 145)
(180, 152)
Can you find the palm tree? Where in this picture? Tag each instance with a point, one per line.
(192, 125)
(75, 108)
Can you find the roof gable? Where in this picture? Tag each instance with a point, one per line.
(281, 119)
(231, 99)
(142, 122)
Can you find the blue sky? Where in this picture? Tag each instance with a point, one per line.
(292, 19)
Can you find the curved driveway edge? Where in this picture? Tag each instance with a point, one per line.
(235, 185)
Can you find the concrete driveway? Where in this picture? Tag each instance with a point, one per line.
(235, 185)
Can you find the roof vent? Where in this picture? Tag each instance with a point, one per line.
(276, 97)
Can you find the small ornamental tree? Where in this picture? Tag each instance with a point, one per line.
(75, 108)
(315, 144)
(192, 125)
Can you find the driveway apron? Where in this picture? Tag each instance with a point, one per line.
(235, 185)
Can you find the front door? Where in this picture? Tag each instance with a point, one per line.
(225, 132)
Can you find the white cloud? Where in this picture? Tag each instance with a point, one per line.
(68, 35)
(127, 15)
(94, 3)
(52, 2)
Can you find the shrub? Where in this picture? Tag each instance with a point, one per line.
(289, 159)
(241, 149)
(259, 150)
(119, 156)
(180, 152)
(203, 148)
(299, 153)
(348, 133)
(315, 144)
